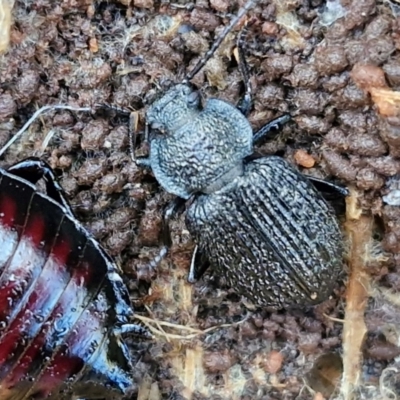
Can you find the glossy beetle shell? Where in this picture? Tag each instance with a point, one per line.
(61, 300)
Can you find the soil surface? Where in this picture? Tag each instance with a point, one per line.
(334, 66)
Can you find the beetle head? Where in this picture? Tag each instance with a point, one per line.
(177, 107)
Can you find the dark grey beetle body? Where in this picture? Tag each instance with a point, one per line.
(270, 234)
(261, 224)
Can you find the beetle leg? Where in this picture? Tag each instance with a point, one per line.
(33, 169)
(174, 209)
(133, 329)
(326, 186)
(267, 128)
(198, 265)
(320, 184)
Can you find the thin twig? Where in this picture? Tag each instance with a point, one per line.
(34, 116)
(341, 321)
(156, 322)
(196, 332)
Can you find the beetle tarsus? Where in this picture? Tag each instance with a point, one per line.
(133, 329)
(269, 128)
(326, 186)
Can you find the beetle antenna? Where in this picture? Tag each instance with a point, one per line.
(34, 116)
(243, 11)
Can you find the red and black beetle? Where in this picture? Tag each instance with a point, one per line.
(63, 303)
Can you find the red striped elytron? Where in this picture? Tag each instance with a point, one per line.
(63, 302)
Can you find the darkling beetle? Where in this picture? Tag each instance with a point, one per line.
(64, 306)
(256, 220)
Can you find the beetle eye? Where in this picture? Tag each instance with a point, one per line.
(193, 98)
